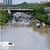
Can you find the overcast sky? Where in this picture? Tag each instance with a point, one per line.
(20, 1)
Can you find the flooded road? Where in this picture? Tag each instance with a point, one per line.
(24, 38)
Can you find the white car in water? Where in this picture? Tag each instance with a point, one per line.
(6, 44)
(38, 24)
(43, 24)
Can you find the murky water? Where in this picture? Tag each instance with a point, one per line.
(24, 38)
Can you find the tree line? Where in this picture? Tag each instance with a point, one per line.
(40, 13)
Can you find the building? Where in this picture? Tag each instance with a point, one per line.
(1, 4)
(7, 2)
(47, 0)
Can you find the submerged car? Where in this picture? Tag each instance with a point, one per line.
(38, 24)
(6, 44)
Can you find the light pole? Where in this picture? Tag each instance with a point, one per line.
(1, 33)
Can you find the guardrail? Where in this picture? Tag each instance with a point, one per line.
(12, 8)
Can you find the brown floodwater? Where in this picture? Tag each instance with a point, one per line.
(43, 31)
(24, 38)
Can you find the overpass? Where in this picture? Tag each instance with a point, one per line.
(13, 8)
(18, 10)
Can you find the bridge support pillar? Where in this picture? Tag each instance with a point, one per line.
(9, 12)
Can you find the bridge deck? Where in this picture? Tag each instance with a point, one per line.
(19, 10)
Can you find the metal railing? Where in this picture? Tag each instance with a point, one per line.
(12, 8)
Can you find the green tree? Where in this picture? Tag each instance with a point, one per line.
(39, 13)
(4, 17)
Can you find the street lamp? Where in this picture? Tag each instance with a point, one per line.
(2, 31)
